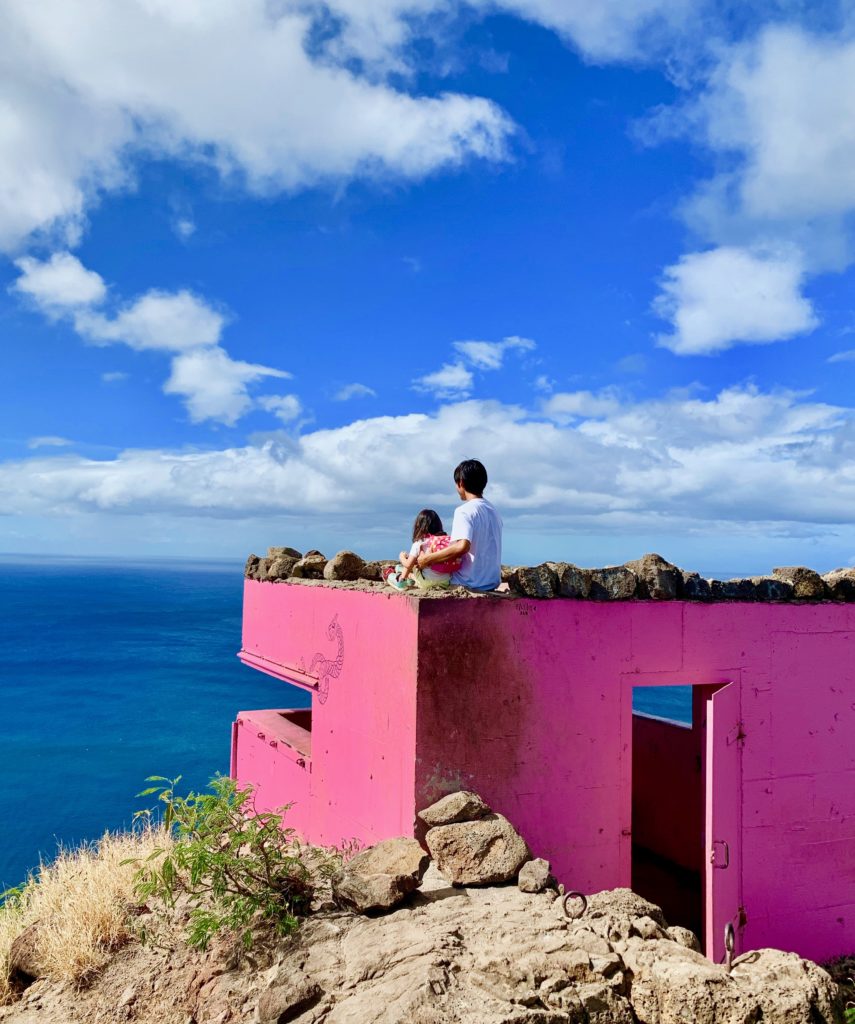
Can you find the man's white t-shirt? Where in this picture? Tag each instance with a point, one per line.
(478, 522)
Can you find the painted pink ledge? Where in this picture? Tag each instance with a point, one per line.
(529, 703)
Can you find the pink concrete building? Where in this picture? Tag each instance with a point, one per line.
(746, 817)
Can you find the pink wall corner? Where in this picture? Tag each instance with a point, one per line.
(521, 701)
(530, 704)
(362, 649)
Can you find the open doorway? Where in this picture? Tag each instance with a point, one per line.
(668, 801)
(687, 807)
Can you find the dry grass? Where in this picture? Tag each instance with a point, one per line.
(82, 902)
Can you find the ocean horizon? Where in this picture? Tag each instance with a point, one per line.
(117, 670)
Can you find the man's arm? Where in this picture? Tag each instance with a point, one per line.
(456, 549)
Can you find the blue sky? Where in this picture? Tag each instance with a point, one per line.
(270, 270)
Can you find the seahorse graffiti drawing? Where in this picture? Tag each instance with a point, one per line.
(325, 668)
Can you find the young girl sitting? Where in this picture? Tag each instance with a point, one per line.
(428, 536)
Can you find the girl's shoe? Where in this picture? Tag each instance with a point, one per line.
(407, 584)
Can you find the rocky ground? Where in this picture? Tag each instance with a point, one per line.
(477, 933)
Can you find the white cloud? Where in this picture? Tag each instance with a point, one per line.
(489, 355)
(49, 441)
(452, 380)
(114, 376)
(842, 357)
(678, 463)
(725, 296)
(214, 386)
(184, 227)
(376, 30)
(284, 407)
(58, 284)
(354, 390)
(570, 405)
(88, 85)
(786, 104)
(169, 321)
(609, 29)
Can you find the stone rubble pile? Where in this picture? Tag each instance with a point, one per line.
(457, 946)
(649, 578)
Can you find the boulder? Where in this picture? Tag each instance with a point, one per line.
(807, 584)
(274, 553)
(534, 876)
(507, 572)
(314, 553)
(281, 567)
(483, 852)
(614, 583)
(345, 565)
(251, 568)
(771, 588)
(572, 581)
(694, 587)
(288, 1000)
(310, 567)
(400, 856)
(372, 571)
(657, 579)
(460, 806)
(672, 984)
(261, 569)
(684, 937)
(381, 876)
(788, 990)
(613, 914)
(732, 590)
(534, 581)
(841, 584)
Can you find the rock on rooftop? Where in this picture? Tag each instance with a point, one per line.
(649, 578)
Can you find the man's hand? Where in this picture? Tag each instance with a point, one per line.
(456, 549)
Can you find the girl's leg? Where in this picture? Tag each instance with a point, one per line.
(393, 579)
(427, 580)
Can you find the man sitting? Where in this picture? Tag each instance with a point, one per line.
(476, 533)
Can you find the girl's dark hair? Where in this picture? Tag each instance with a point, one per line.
(471, 476)
(427, 524)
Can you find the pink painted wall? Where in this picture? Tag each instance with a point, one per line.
(363, 726)
(530, 703)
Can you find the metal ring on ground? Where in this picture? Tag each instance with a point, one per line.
(574, 896)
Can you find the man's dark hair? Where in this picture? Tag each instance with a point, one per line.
(471, 476)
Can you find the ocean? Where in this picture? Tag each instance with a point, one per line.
(113, 672)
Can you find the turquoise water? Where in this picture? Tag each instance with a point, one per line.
(112, 673)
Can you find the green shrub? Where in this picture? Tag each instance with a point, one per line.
(239, 868)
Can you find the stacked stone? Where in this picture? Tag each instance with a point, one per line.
(649, 578)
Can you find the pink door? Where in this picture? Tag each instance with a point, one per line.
(723, 869)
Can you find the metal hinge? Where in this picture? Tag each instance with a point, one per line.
(726, 852)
